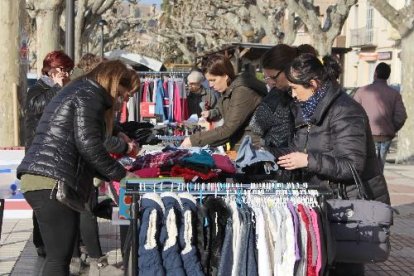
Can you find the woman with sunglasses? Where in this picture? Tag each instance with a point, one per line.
(55, 73)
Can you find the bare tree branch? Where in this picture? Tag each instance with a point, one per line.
(401, 20)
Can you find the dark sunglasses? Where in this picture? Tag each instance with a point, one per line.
(66, 70)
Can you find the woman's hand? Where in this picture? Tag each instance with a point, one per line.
(294, 160)
(59, 77)
(131, 175)
(186, 143)
(205, 114)
(124, 137)
(133, 149)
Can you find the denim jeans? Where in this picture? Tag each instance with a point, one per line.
(381, 149)
(59, 227)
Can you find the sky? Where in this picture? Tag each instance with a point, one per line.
(158, 2)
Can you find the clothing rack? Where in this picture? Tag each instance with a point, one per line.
(139, 186)
(162, 72)
(154, 74)
(168, 140)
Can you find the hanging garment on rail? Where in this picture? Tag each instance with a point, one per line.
(278, 234)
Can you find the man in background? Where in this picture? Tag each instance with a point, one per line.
(385, 109)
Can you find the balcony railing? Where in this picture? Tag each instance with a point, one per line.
(363, 37)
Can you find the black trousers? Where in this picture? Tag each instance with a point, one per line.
(89, 233)
(58, 226)
(37, 237)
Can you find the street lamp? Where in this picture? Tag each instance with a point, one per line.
(102, 23)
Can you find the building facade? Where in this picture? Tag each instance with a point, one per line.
(373, 40)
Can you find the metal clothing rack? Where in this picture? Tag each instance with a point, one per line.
(136, 187)
(162, 72)
(171, 140)
(2, 201)
(143, 74)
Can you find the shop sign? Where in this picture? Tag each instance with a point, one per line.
(368, 56)
(385, 55)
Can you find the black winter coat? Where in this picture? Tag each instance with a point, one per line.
(37, 98)
(274, 119)
(68, 145)
(338, 133)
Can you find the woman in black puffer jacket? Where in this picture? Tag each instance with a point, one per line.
(332, 131)
(56, 70)
(68, 148)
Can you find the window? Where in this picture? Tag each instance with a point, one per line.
(369, 25)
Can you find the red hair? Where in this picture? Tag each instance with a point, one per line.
(57, 59)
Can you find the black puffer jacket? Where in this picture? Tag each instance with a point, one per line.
(69, 140)
(38, 97)
(339, 133)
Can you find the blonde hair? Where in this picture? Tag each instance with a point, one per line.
(111, 74)
(135, 81)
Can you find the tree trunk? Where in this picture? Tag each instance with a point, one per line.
(405, 150)
(10, 77)
(322, 45)
(47, 24)
(79, 27)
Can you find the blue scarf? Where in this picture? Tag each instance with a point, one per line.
(308, 107)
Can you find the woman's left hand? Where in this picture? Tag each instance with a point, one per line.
(186, 143)
(294, 160)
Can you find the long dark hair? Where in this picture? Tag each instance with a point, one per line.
(280, 56)
(307, 67)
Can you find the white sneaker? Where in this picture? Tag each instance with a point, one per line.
(76, 266)
(100, 267)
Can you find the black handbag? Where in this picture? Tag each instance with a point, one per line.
(360, 227)
(71, 198)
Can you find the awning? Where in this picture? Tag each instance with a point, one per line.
(134, 59)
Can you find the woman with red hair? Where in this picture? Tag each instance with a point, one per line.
(57, 67)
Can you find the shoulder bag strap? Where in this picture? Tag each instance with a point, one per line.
(358, 181)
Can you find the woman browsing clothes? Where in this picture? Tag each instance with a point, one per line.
(273, 119)
(332, 131)
(240, 97)
(67, 152)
